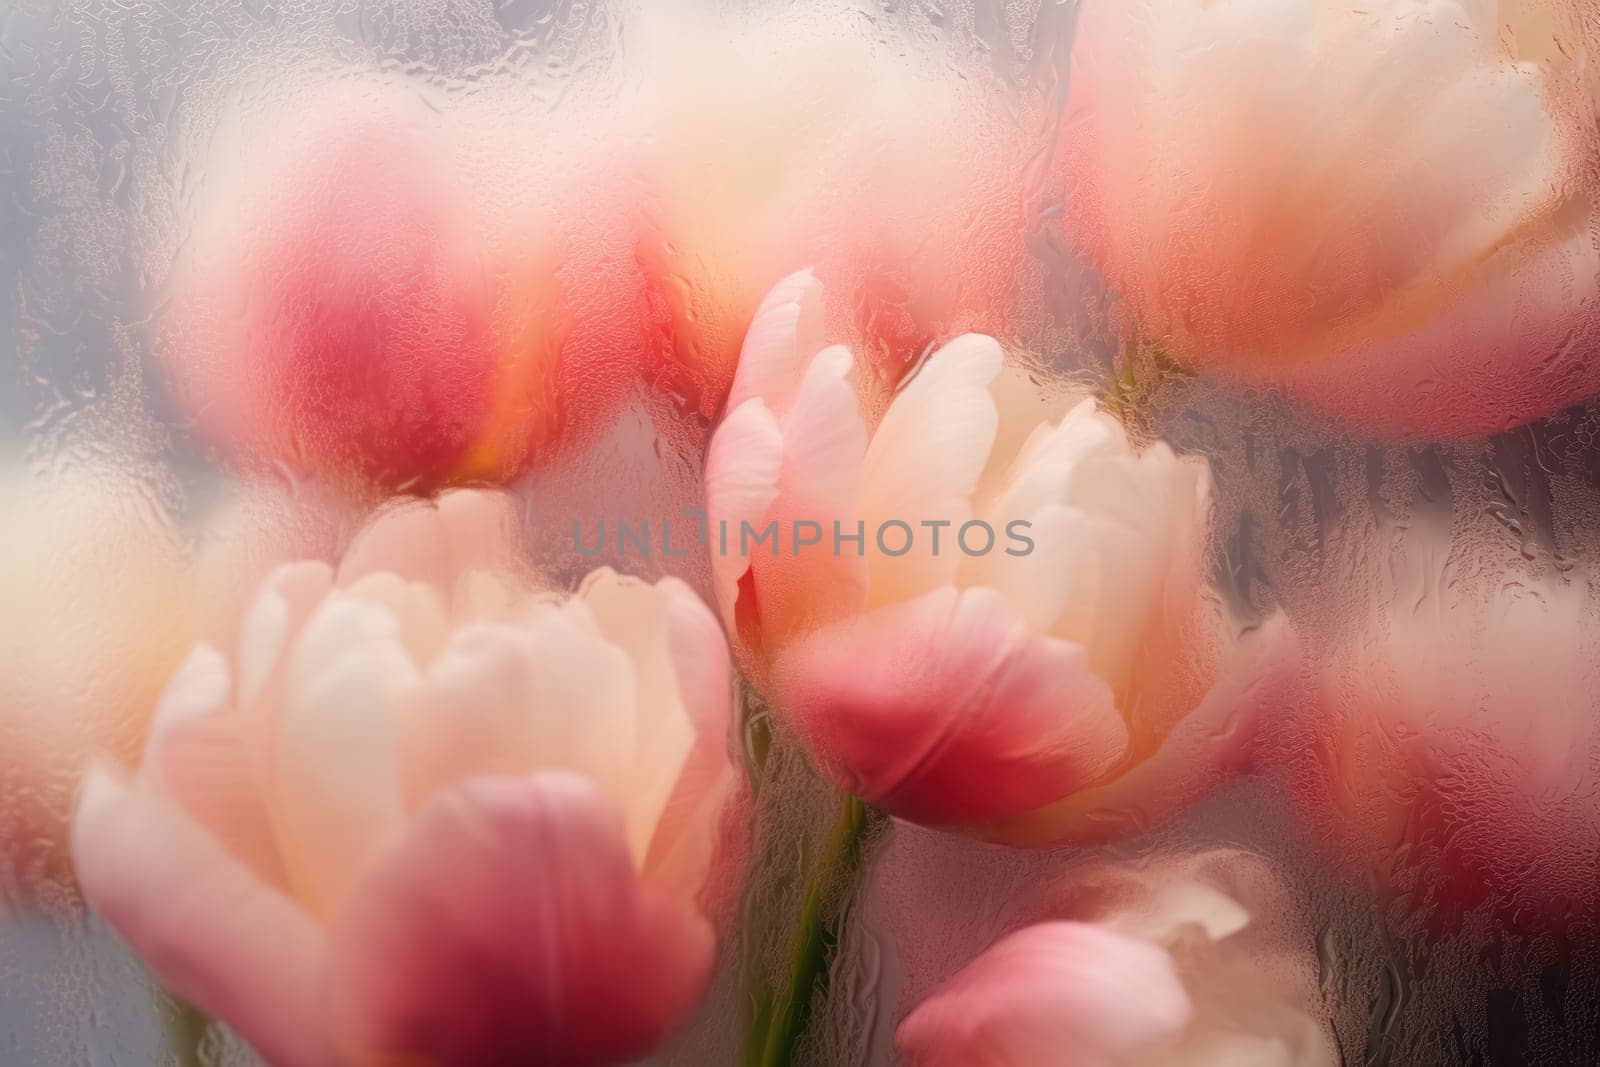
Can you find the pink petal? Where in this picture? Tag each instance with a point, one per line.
(212, 931)
(1054, 993)
(947, 709)
(509, 926)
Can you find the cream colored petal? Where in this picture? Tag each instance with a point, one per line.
(472, 712)
(825, 440)
(784, 332)
(198, 756)
(1055, 571)
(480, 529)
(806, 582)
(587, 702)
(1148, 517)
(420, 610)
(685, 838)
(1053, 450)
(334, 781)
(486, 596)
(287, 598)
(437, 541)
(1180, 906)
(200, 688)
(639, 619)
(404, 538)
(742, 466)
(923, 465)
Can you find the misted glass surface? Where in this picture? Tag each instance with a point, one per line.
(271, 265)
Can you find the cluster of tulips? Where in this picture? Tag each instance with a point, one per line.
(351, 773)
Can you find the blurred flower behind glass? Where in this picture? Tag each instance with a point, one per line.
(1388, 209)
(96, 613)
(1178, 962)
(1454, 750)
(385, 288)
(897, 175)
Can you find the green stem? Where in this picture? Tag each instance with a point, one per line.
(782, 1014)
(186, 1029)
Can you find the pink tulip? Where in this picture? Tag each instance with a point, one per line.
(375, 292)
(1158, 966)
(1073, 689)
(1387, 209)
(97, 612)
(1456, 741)
(427, 813)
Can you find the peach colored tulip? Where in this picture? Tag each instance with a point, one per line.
(426, 813)
(363, 300)
(1159, 966)
(1456, 747)
(1387, 209)
(789, 138)
(1074, 690)
(96, 615)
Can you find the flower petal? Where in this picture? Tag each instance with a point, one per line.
(802, 582)
(645, 622)
(924, 462)
(784, 332)
(742, 466)
(437, 541)
(511, 700)
(1056, 992)
(1410, 244)
(333, 781)
(948, 709)
(213, 932)
(1210, 742)
(419, 609)
(1514, 347)
(685, 837)
(286, 600)
(509, 926)
(197, 755)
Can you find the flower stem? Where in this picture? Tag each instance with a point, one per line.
(186, 1029)
(782, 1010)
